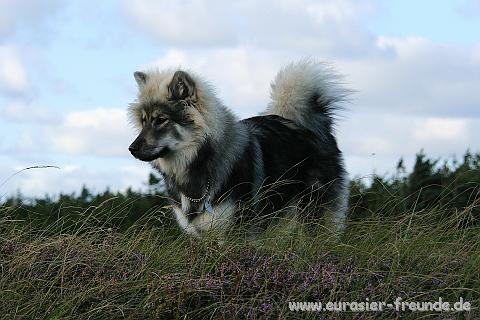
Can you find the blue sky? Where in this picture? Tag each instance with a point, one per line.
(447, 21)
(66, 76)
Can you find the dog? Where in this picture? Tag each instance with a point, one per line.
(220, 172)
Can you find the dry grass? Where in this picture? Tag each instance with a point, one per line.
(146, 272)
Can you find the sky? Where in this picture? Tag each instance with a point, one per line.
(66, 77)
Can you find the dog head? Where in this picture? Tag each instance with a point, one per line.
(170, 114)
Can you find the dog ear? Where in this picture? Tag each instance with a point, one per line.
(141, 78)
(182, 86)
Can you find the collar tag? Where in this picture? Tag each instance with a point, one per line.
(208, 207)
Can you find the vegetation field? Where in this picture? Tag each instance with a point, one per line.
(413, 235)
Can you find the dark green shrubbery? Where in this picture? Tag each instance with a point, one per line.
(449, 186)
(68, 212)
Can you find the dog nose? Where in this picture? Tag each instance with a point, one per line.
(133, 149)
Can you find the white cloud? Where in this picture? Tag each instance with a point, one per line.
(71, 176)
(182, 22)
(417, 77)
(402, 135)
(442, 129)
(23, 12)
(100, 131)
(20, 111)
(241, 75)
(13, 77)
(25, 143)
(17, 17)
(325, 25)
(374, 143)
(404, 76)
(391, 74)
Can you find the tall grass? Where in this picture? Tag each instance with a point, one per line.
(90, 268)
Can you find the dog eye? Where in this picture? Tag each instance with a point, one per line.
(159, 121)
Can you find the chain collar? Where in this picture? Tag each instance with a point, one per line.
(197, 200)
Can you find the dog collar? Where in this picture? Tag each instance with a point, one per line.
(197, 200)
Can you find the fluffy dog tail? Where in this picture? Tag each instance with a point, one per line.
(308, 93)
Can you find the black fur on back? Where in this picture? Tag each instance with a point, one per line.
(296, 165)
